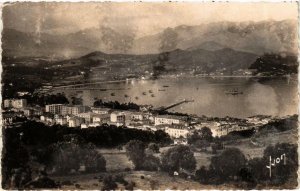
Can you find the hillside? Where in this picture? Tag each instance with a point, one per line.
(172, 62)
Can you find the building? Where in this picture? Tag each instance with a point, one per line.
(100, 110)
(75, 122)
(8, 118)
(137, 116)
(47, 118)
(74, 110)
(214, 126)
(15, 103)
(169, 119)
(87, 116)
(117, 118)
(61, 120)
(31, 111)
(94, 125)
(177, 131)
(101, 118)
(54, 108)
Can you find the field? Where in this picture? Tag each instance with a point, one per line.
(117, 162)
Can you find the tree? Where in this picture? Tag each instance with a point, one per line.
(151, 163)
(109, 183)
(68, 156)
(202, 175)
(204, 134)
(177, 158)
(153, 147)
(228, 164)
(256, 165)
(135, 150)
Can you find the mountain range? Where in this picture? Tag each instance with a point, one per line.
(249, 37)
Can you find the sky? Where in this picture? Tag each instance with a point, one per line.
(142, 18)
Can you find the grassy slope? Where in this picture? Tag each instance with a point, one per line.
(117, 161)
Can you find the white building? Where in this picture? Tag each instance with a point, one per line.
(137, 116)
(117, 118)
(54, 108)
(100, 110)
(74, 122)
(88, 116)
(32, 111)
(61, 121)
(177, 131)
(7, 118)
(15, 103)
(215, 127)
(169, 119)
(47, 118)
(94, 125)
(74, 110)
(101, 118)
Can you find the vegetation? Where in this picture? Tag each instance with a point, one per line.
(135, 150)
(68, 156)
(228, 164)
(43, 100)
(117, 105)
(109, 183)
(275, 64)
(178, 157)
(233, 167)
(62, 149)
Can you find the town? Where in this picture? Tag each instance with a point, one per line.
(176, 126)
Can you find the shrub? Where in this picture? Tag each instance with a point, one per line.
(151, 163)
(178, 157)
(135, 150)
(109, 183)
(153, 147)
(228, 164)
(130, 186)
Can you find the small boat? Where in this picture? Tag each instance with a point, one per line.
(165, 86)
(144, 93)
(112, 94)
(233, 92)
(162, 90)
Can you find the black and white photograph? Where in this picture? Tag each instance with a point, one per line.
(149, 95)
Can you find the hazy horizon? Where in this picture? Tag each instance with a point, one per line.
(142, 19)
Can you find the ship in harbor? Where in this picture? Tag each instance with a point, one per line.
(233, 92)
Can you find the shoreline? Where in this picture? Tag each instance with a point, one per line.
(164, 77)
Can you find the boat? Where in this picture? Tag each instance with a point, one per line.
(165, 86)
(112, 94)
(161, 90)
(233, 92)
